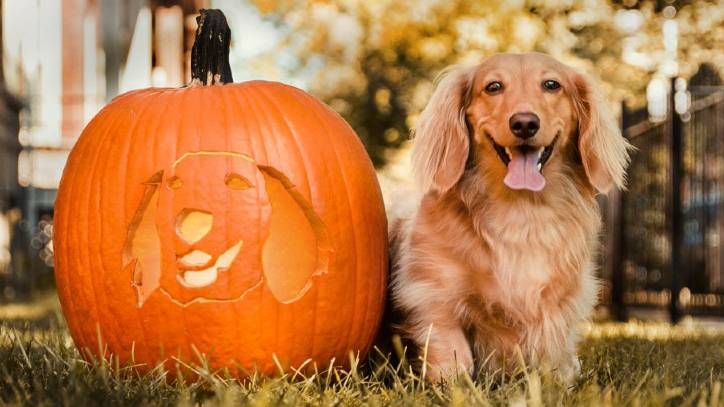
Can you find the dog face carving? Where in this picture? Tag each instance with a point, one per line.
(214, 226)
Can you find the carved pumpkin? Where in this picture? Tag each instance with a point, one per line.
(240, 221)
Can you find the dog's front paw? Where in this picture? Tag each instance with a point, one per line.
(568, 372)
(445, 353)
(448, 369)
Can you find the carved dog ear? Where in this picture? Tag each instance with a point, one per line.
(142, 248)
(441, 135)
(312, 253)
(604, 151)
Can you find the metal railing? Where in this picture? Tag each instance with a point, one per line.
(668, 226)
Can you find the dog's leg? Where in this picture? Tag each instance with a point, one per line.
(569, 367)
(562, 362)
(445, 351)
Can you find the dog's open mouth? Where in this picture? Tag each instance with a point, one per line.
(207, 276)
(525, 164)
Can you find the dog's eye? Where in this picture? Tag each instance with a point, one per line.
(550, 84)
(494, 87)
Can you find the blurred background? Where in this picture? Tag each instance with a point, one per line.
(660, 63)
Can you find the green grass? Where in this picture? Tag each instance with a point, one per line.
(623, 364)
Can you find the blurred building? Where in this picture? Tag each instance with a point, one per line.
(62, 61)
(9, 152)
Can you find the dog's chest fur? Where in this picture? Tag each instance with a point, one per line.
(535, 280)
(530, 249)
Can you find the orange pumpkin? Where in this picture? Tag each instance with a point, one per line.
(240, 221)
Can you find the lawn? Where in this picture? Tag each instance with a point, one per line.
(623, 364)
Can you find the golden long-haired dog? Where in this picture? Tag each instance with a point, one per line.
(499, 256)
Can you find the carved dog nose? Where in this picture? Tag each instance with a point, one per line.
(193, 224)
(524, 125)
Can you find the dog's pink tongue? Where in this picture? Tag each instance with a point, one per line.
(523, 171)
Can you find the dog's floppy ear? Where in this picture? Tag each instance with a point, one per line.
(604, 151)
(441, 135)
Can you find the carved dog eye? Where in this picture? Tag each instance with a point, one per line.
(237, 182)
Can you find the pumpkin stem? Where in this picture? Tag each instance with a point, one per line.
(210, 54)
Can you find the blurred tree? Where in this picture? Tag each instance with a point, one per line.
(375, 61)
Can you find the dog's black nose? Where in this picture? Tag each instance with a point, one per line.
(524, 125)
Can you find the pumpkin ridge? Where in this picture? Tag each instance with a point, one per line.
(318, 292)
(61, 239)
(129, 99)
(382, 283)
(221, 97)
(344, 126)
(250, 128)
(288, 131)
(150, 117)
(196, 138)
(145, 99)
(295, 93)
(229, 96)
(224, 94)
(98, 188)
(292, 135)
(87, 181)
(69, 178)
(86, 198)
(353, 234)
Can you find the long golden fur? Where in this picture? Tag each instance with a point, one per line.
(482, 269)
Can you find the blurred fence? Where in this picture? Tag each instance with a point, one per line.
(668, 226)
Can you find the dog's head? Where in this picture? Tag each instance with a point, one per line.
(521, 119)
